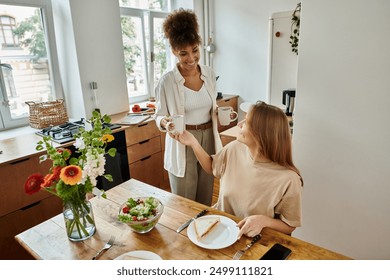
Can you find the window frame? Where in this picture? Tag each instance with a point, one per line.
(148, 47)
(170, 57)
(6, 121)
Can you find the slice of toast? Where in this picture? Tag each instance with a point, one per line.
(203, 226)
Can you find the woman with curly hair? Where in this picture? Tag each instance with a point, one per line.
(188, 89)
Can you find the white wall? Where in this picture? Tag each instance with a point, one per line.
(241, 39)
(90, 48)
(67, 58)
(341, 129)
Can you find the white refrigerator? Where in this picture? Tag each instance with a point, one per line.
(282, 62)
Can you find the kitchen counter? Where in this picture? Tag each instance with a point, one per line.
(19, 147)
(23, 146)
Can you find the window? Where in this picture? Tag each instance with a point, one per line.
(7, 26)
(25, 65)
(147, 52)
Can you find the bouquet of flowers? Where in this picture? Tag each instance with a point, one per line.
(72, 177)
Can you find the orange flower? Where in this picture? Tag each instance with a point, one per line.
(51, 178)
(71, 174)
(56, 172)
(47, 181)
(33, 183)
(107, 138)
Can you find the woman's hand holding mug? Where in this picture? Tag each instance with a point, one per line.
(176, 125)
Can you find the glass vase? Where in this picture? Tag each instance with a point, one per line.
(79, 220)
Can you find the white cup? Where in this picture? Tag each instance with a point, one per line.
(225, 115)
(176, 125)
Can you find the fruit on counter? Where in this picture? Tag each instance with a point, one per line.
(150, 105)
(136, 108)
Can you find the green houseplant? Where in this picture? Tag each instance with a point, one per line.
(295, 27)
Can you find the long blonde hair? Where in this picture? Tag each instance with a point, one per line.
(270, 128)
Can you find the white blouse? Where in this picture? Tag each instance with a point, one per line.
(198, 105)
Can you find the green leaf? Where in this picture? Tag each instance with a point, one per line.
(108, 177)
(112, 152)
(95, 114)
(106, 119)
(73, 161)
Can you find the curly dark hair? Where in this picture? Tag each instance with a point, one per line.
(181, 28)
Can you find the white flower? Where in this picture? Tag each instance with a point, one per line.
(79, 144)
(93, 167)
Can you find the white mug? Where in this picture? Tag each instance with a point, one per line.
(176, 125)
(224, 115)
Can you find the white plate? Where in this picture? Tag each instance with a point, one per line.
(139, 255)
(224, 235)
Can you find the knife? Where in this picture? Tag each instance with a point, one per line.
(183, 226)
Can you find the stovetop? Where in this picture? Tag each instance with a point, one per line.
(63, 133)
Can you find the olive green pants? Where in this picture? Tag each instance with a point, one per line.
(196, 183)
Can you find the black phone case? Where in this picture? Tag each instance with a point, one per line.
(276, 252)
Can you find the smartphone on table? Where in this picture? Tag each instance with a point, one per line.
(276, 252)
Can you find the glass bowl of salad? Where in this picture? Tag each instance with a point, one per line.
(141, 214)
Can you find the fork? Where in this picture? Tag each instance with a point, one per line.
(239, 253)
(106, 246)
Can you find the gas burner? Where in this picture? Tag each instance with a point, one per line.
(63, 133)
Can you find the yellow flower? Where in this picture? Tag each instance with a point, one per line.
(71, 174)
(107, 138)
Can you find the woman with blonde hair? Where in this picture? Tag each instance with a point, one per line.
(258, 179)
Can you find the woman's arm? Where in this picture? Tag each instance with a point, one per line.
(252, 225)
(205, 160)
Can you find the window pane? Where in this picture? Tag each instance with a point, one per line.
(161, 50)
(25, 69)
(157, 5)
(134, 54)
(5, 20)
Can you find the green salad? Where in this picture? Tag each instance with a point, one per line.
(138, 210)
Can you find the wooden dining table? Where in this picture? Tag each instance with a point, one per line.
(48, 240)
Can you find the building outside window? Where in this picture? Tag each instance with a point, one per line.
(7, 27)
(25, 65)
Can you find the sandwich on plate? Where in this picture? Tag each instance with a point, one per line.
(203, 226)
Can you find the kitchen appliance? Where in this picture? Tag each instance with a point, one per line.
(63, 133)
(282, 62)
(289, 100)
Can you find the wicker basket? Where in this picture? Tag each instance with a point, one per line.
(45, 114)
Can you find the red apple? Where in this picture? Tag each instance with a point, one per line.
(136, 108)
